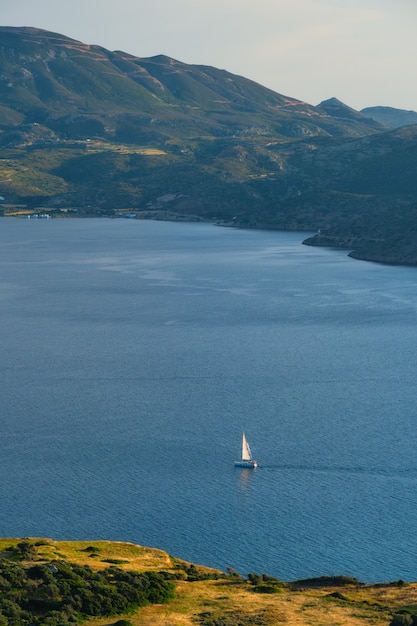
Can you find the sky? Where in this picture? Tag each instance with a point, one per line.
(363, 52)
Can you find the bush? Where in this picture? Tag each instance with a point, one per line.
(90, 549)
(326, 581)
(338, 596)
(266, 589)
(26, 549)
(59, 592)
(254, 579)
(402, 619)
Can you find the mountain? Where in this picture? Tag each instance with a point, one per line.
(390, 117)
(338, 110)
(87, 130)
(77, 90)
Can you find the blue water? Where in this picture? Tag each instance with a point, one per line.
(134, 353)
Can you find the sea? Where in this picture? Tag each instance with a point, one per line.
(133, 355)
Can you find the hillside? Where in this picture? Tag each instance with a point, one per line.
(62, 582)
(79, 91)
(87, 131)
(338, 110)
(390, 117)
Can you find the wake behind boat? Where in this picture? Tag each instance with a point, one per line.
(246, 460)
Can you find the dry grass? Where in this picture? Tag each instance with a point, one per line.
(101, 554)
(227, 599)
(291, 608)
(103, 146)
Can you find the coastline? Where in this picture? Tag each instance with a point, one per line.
(196, 594)
(398, 251)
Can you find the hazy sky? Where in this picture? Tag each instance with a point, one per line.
(363, 52)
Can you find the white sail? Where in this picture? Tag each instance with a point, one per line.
(246, 460)
(246, 453)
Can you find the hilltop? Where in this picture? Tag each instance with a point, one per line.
(390, 117)
(88, 131)
(62, 582)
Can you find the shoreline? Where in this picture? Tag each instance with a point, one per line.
(357, 248)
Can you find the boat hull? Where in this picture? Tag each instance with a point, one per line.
(248, 464)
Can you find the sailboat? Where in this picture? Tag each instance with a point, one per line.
(246, 460)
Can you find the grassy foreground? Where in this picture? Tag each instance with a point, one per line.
(210, 598)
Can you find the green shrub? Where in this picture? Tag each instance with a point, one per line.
(254, 579)
(326, 581)
(57, 593)
(26, 549)
(338, 596)
(402, 619)
(266, 589)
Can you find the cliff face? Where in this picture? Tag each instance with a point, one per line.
(97, 132)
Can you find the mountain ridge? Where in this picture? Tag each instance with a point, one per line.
(391, 117)
(98, 132)
(166, 81)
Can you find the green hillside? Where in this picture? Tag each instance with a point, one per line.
(87, 131)
(101, 583)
